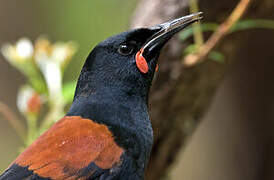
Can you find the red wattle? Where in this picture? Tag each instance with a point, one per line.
(141, 62)
(157, 68)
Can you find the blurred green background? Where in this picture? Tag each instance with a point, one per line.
(86, 23)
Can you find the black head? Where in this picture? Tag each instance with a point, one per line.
(127, 61)
(112, 63)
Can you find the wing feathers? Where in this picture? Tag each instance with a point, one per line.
(73, 148)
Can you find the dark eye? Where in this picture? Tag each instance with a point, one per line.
(125, 49)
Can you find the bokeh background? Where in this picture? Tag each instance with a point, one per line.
(86, 23)
(213, 121)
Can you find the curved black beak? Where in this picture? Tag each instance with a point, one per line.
(166, 31)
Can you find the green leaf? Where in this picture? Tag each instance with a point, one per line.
(241, 25)
(188, 32)
(190, 49)
(68, 91)
(34, 76)
(253, 23)
(216, 56)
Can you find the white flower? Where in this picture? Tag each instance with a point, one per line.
(52, 73)
(29, 101)
(51, 58)
(62, 52)
(59, 52)
(8, 52)
(20, 52)
(24, 48)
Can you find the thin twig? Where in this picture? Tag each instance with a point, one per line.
(13, 120)
(32, 128)
(198, 34)
(55, 112)
(223, 29)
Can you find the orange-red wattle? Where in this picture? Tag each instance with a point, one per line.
(141, 62)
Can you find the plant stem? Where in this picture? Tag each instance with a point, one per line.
(13, 120)
(32, 128)
(55, 112)
(223, 29)
(198, 34)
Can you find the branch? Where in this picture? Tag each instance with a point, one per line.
(223, 29)
(12, 119)
(198, 34)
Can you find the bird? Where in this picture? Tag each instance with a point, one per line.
(107, 133)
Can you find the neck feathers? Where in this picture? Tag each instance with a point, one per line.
(125, 114)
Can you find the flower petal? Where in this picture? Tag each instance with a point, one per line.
(24, 48)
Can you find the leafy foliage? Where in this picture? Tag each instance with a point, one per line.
(211, 27)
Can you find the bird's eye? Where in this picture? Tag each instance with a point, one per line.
(125, 49)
